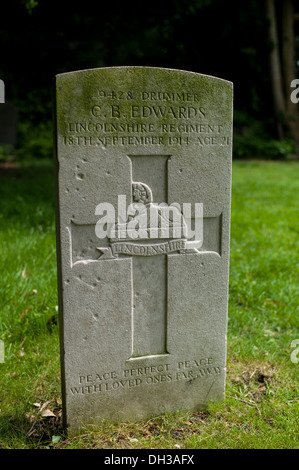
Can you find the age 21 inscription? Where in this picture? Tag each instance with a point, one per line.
(127, 118)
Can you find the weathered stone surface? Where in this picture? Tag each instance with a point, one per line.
(143, 320)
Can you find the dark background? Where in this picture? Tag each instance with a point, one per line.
(224, 38)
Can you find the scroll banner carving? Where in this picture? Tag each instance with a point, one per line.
(141, 249)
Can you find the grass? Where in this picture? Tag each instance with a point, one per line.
(261, 406)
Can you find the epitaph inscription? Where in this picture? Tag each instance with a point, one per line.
(143, 208)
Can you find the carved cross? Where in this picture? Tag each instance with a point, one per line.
(149, 258)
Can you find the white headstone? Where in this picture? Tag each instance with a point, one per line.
(143, 286)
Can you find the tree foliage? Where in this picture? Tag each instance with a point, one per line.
(223, 38)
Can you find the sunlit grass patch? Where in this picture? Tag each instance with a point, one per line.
(261, 405)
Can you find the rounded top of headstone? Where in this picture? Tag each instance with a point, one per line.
(141, 69)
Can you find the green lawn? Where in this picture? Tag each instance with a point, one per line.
(261, 406)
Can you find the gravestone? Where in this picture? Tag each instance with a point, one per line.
(8, 124)
(143, 160)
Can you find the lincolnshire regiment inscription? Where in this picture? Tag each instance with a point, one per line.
(143, 160)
